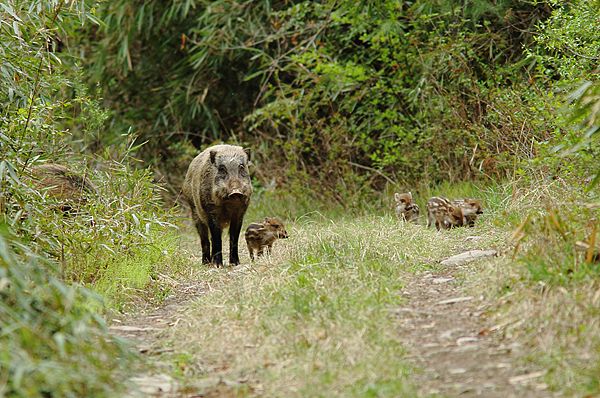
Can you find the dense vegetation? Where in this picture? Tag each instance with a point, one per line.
(355, 98)
(327, 91)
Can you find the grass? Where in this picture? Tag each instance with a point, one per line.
(314, 318)
(143, 273)
(547, 293)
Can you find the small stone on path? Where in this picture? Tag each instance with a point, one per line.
(466, 340)
(526, 377)
(468, 256)
(126, 328)
(153, 385)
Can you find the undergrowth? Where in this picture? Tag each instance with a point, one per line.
(52, 342)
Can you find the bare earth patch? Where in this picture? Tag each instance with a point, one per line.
(145, 329)
(451, 338)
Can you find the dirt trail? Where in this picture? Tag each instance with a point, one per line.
(146, 329)
(449, 336)
(447, 333)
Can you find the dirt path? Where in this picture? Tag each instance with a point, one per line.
(145, 329)
(449, 336)
(448, 333)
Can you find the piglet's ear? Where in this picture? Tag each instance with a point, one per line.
(213, 155)
(248, 152)
(397, 196)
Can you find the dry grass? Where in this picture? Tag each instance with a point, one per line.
(547, 297)
(314, 318)
(557, 327)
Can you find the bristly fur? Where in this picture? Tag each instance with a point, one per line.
(263, 234)
(443, 214)
(63, 184)
(406, 209)
(217, 187)
(471, 209)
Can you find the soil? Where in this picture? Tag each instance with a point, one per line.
(451, 338)
(146, 329)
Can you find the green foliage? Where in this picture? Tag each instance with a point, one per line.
(52, 343)
(586, 115)
(443, 98)
(345, 95)
(198, 89)
(561, 251)
(48, 116)
(568, 41)
(556, 231)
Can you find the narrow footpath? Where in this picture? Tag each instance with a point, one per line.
(450, 336)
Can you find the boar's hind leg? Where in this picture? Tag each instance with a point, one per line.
(234, 235)
(217, 245)
(203, 232)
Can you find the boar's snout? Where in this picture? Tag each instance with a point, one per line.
(236, 194)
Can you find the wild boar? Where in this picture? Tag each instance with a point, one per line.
(217, 187)
(261, 235)
(406, 209)
(471, 209)
(65, 185)
(445, 215)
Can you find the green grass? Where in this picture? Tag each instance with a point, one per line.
(273, 202)
(138, 273)
(314, 318)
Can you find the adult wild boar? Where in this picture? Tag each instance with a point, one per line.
(63, 184)
(217, 187)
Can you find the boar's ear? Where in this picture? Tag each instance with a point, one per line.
(213, 155)
(248, 152)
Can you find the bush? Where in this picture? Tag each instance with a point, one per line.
(52, 342)
(48, 116)
(341, 95)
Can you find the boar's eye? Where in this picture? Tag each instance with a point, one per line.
(222, 169)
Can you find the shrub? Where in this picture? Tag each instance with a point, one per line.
(52, 342)
(48, 116)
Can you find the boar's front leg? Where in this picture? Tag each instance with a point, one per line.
(204, 241)
(202, 229)
(234, 235)
(217, 245)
